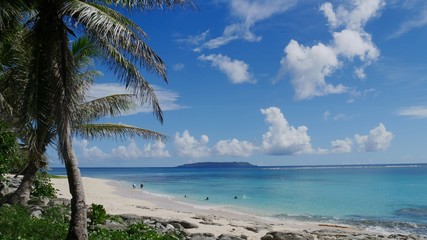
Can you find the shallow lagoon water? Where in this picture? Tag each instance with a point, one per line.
(388, 197)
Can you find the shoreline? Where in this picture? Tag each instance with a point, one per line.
(118, 199)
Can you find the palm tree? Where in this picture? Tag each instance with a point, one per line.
(51, 65)
(87, 113)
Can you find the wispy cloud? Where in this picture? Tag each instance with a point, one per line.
(178, 66)
(413, 111)
(237, 71)
(418, 20)
(336, 117)
(247, 14)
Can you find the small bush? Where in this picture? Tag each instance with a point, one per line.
(135, 231)
(97, 214)
(9, 150)
(17, 223)
(42, 186)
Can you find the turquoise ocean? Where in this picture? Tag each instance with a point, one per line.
(389, 198)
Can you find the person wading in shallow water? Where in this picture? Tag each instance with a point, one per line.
(142, 185)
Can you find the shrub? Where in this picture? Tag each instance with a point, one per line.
(135, 231)
(9, 150)
(42, 186)
(17, 223)
(97, 214)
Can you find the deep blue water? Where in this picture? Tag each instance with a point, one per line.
(389, 197)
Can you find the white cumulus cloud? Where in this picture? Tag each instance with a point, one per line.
(353, 14)
(342, 145)
(379, 139)
(351, 43)
(283, 138)
(234, 148)
(309, 67)
(133, 152)
(90, 153)
(236, 70)
(188, 146)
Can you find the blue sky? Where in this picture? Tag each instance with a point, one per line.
(280, 82)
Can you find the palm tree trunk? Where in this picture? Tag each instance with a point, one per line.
(22, 194)
(78, 223)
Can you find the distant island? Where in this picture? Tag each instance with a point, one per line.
(218, 165)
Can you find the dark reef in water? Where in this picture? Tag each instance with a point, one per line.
(218, 165)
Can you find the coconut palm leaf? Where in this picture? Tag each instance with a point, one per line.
(116, 131)
(83, 52)
(123, 43)
(146, 4)
(102, 24)
(112, 105)
(134, 81)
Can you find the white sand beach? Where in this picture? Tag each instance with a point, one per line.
(122, 200)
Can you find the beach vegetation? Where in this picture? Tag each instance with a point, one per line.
(46, 80)
(16, 222)
(135, 231)
(43, 186)
(9, 150)
(97, 214)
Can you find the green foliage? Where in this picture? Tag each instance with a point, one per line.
(150, 233)
(16, 223)
(135, 231)
(42, 186)
(9, 151)
(97, 214)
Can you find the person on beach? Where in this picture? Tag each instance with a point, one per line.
(207, 198)
(134, 186)
(142, 186)
(235, 197)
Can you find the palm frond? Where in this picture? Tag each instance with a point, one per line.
(83, 52)
(116, 131)
(101, 24)
(112, 105)
(129, 74)
(148, 4)
(10, 12)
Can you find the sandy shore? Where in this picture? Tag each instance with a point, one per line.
(125, 200)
